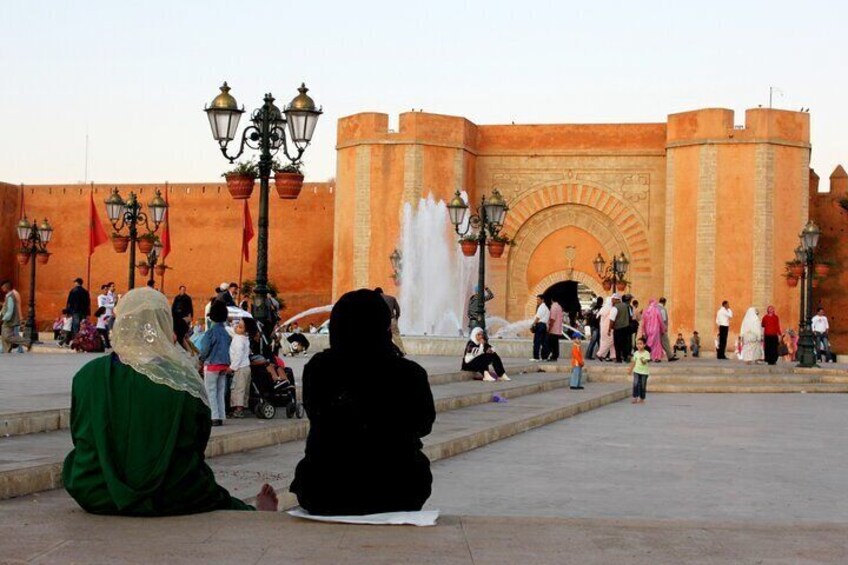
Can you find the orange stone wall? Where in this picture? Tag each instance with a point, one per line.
(705, 209)
(833, 221)
(206, 231)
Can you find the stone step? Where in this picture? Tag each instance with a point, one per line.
(712, 379)
(454, 432)
(37, 421)
(747, 388)
(31, 463)
(700, 369)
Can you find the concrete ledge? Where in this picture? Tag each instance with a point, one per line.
(20, 423)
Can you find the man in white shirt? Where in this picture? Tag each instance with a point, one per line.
(723, 317)
(820, 328)
(540, 329)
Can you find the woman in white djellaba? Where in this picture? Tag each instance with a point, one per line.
(752, 337)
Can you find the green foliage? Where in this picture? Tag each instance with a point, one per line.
(244, 168)
(295, 167)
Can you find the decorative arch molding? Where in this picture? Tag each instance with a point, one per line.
(560, 276)
(622, 214)
(548, 221)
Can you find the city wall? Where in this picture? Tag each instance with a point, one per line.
(206, 238)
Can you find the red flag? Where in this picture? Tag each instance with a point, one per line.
(166, 230)
(96, 234)
(247, 233)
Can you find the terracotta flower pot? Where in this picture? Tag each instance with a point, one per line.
(607, 285)
(822, 269)
(143, 269)
(159, 270)
(120, 243)
(288, 185)
(240, 186)
(23, 259)
(469, 247)
(145, 245)
(621, 286)
(796, 269)
(42, 258)
(791, 281)
(496, 248)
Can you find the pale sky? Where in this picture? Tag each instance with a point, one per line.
(135, 76)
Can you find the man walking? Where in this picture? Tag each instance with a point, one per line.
(820, 327)
(555, 330)
(10, 315)
(394, 309)
(79, 306)
(620, 327)
(540, 329)
(723, 317)
(666, 345)
(183, 307)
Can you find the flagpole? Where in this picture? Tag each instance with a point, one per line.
(241, 255)
(168, 227)
(91, 198)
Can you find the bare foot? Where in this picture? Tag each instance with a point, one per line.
(267, 499)
(634, 401)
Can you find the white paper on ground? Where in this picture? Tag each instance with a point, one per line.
(420, 518)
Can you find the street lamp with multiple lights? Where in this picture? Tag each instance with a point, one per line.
(34, 239)
(614, 272)
(487, 222)
(805, 253)
(129, 214)
(268, 134)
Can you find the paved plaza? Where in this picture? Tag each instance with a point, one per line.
(700, 478)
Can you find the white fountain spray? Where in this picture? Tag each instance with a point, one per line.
(436, 280)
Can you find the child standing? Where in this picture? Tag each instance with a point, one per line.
(639, 371)
(103, 319)
(215, 354)
(240, 366)
(67, 324)
(576, 365)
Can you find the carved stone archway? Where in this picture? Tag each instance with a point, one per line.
(560, 276)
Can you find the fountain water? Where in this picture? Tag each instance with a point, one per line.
(310, 312)
(436, 277)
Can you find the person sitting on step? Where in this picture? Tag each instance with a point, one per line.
(680, 345)
(480, 356)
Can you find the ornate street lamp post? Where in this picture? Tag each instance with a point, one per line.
(128, 214)
(268, 135)
(34, 240)
(487, 222)
(151, 260)
(615, 271)
(805, 252)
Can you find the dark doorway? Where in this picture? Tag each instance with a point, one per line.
(569, 294)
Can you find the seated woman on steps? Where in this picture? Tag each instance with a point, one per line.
(368, 409)
(480, 356)
(140, 422)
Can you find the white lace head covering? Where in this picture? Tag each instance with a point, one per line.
(143, 338)
(475, 333)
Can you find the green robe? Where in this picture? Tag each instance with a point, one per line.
(139, 446)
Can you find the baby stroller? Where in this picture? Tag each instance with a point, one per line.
(266, 395)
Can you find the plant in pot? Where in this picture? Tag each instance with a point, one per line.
(42, 257)
(120, 242)
(288, 179)
(241, 179)
(143, 269)
(469, 244)
(823, 267)
(796, 268)
(160, 269)
(791, 280)
(23, 257)
(498, 244)
(621, 286)
(607, 284)
(145, 242)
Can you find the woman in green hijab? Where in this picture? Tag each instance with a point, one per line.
(140, 422)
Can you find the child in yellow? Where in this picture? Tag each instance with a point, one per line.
(639, 371)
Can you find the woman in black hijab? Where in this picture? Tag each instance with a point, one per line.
(368, 409)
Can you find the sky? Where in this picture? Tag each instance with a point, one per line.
(133, 77)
